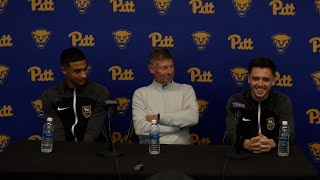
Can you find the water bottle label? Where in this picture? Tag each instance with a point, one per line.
(154, 136)
(283, 138)
(48, 135)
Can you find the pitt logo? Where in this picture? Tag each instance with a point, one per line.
(6, 111)
(241, 6)
(118, 5)
(6, 41)
(4, 71)
(157, 40)
(196, 75)
(117, 137)
(316, 3)
(123, 105)
(162, 6)
(316, 79)
(4, 142)
(78, 39)
(315, 150)
(203, 106)
(314, 115)
(41, 37)
(279, 9)
(239, 74)
(315, 41)
(246, 44)
(284, 81)
(194, 139)
(86, 111)
(82, 5)
(281, 41)
(201, 39)
(42, 5)
(119, 74)
(35, 138)
(37, 107)
(3, 3)
(121, 37)
(37, 75)
(197, 7)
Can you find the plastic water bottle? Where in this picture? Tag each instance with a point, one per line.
(154, 145)
(47, 136)
(283, 144)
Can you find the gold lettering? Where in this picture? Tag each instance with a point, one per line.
(313, 115)
(279, 9)
(195, 75)
(6, 111)
(6, 41)
(207, 8)
(246, 44)
(128, 6)
(117, 138)
(76, 38)
(156, 38)
(117, 73)
(285, 81)
(315, 41)
(42, 5)
(195, 139)
(36, 74)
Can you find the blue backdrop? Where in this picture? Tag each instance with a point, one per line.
(212, 42)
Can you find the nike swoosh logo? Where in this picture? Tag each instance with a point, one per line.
(244, 119)
(61, 109)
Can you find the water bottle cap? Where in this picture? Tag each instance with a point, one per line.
(153, 121)
(284, 123)
(49, 119)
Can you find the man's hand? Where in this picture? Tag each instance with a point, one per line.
(259, 144)
(150, 117)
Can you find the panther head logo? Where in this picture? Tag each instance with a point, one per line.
(3, 73)
(41, 37)
(317, 4)
(162, 6)
(4, 141)
(121, 37)
(82, 5)
(203, 106)
(37, 107)
(281, 42)
(201, 39)
(35, 138)
(239, 74)
(316, 79)
(123, 105)
(315, 150)
(3, 3)
(242, 6)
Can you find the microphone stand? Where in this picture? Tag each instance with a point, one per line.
(236, 153)
(110, 152)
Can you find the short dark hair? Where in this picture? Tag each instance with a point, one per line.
(262, 62)
(159, 54)
(71, 55)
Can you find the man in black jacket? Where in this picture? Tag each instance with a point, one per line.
(76, 104)
(265, 109)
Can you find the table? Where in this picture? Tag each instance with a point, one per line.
(70, 160)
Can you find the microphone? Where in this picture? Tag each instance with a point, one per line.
(111, 106)
(238, 109)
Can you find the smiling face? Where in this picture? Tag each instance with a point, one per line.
(76, 73)
(163, 71)
(261, 81)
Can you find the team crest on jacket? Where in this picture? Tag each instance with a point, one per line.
(86, 111)
(270, 123)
